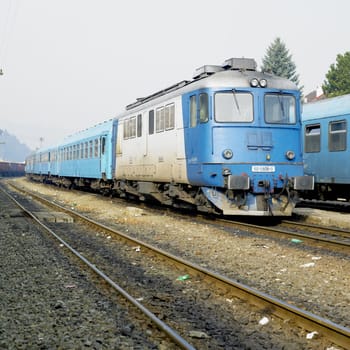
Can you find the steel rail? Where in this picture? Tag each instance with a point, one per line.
(343, 232)
(335, 243)
(338, 334)
(161, 325)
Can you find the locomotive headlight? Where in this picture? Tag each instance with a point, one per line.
(290, 155)
(263, 83)
(254, 82)
(227, 154)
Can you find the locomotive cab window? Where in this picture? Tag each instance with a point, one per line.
(312, 140)
(233, 107)
(193, 111)
(280, 109)
(337, 134)
(203, 108)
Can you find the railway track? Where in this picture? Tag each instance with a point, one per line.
(37, 217)
(327, 237)
(338, 206)
(337, 334)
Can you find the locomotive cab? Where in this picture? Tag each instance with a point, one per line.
(243, 141)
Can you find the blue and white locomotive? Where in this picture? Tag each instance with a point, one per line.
(327, 146)
(227, 142)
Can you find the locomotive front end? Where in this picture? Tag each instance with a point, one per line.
(248, 153)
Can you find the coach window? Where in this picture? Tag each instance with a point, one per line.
(96, 148)
(233, 107)
(312, 140)
(203, 108)
(139, 125)
(337, 136)
(160, 115)
(90, 149)
(86, 150)
(193, 111)
(103, 145)
(151, 122)
(81, 150)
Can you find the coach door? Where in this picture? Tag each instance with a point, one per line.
(104, 156)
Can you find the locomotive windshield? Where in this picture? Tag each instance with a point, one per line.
(280, 109)
(232, 106)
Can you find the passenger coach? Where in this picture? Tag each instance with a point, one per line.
(327, 146)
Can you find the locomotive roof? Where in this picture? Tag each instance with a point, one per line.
(330, 107)
(225, 76)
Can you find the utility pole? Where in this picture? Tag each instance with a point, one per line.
(1, 143)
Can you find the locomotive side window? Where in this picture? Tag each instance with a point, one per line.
(132, 127)
(193, 111)
(337, 134)
(125, 130)
(151, 122)
(312, 138)
(280, 109)
(203, 108)
(139, 125)
(160, 116)
(169, 116)
(233, 107)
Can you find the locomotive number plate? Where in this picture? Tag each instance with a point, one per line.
(263, 169)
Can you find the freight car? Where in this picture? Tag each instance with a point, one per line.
(11, 169)
(327, 147)
(228, 141)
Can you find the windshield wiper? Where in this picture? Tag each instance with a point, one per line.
(282, 107)
(236, 101)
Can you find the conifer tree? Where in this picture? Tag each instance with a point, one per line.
(278, 61)
(338, 77)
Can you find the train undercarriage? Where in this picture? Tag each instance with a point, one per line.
(204, 199)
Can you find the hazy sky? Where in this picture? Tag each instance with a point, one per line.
(69, 64)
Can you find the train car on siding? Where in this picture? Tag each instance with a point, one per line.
(327, 147)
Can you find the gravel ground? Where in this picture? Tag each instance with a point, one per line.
(48, 303)
(296, 273)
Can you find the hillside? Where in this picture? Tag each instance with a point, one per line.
(11, 149)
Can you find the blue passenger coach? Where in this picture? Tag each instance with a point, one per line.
(327, 146)
(85, 159)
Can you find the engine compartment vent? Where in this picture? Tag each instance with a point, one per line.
(206, 70)
(240, 64)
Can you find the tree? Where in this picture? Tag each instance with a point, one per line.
(278, 61)
(338, 77)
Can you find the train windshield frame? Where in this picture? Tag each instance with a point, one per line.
(280, 108)
(234, 106)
